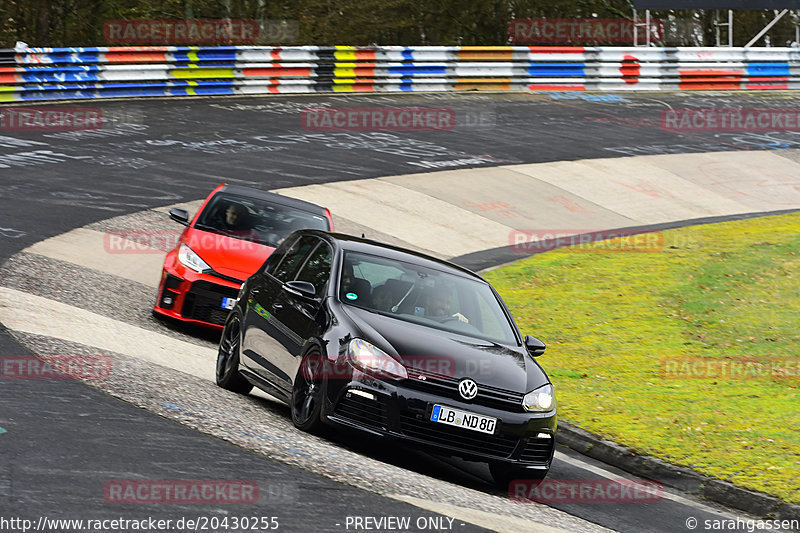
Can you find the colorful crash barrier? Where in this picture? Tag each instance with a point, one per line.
(105, 72)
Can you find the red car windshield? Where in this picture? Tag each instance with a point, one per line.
(255, 220)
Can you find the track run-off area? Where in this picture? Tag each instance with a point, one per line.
(511, 165)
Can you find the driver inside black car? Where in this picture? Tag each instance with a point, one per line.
(437, 305)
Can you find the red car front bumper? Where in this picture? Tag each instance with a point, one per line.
(193, 297)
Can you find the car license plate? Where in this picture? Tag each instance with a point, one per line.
(228, 303)
(456, 417)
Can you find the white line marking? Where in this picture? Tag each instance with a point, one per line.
(20, 311)
(88, 248)
(492, 521)
(12, 233)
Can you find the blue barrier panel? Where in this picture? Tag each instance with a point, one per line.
(768, 69)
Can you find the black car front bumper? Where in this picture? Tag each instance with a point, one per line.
(402, 410)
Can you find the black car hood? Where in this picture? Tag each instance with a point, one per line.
(450, 354)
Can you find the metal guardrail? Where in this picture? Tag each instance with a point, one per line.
(32, 74)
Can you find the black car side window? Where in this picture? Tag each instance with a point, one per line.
(317, 269)
(287, 268)
(279, 253)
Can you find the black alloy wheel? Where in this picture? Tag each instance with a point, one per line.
(228, 375)
(307, 393)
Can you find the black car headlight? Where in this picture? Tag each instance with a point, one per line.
(540, 400)
(372, 360)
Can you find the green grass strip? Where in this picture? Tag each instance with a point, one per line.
(620, 326)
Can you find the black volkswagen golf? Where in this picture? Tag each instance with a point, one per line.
(363, 335)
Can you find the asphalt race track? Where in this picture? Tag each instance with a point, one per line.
(64, 441)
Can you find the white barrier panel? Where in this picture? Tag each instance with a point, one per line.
(106, 72)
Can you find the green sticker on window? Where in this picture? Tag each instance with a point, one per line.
(351, 296)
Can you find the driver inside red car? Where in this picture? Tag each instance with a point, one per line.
(235, 218)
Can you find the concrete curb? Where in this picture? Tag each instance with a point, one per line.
(486, 260)
(678, 477)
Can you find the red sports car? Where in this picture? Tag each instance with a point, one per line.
(230, 237)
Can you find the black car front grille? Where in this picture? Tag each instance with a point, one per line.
(537, 451)
(366, 412)
(415, 425)
(203, 302)
(447, 387)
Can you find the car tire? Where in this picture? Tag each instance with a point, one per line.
(307, 394)
(228, 375)
(504, 474)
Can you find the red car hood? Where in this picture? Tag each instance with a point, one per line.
(229, 256)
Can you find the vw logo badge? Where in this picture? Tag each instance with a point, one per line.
(468, 389)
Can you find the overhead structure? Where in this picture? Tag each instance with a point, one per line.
(729, 5)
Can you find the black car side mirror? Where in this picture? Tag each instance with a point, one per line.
(179, 215)
(303, 288)
(534, 346)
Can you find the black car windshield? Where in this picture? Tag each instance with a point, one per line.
(424, 296)
(255, 220)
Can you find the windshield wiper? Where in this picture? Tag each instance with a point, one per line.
(205, 227)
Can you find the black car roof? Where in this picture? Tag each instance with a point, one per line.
(358, 244)
(274, 198)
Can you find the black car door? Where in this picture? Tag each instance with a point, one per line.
(266, 340)
(302, 315)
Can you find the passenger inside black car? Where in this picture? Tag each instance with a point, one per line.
(354, 289)
(396, 292)
(382, 299)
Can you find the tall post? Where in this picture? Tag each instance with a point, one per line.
(637, 24)
(730, 28)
